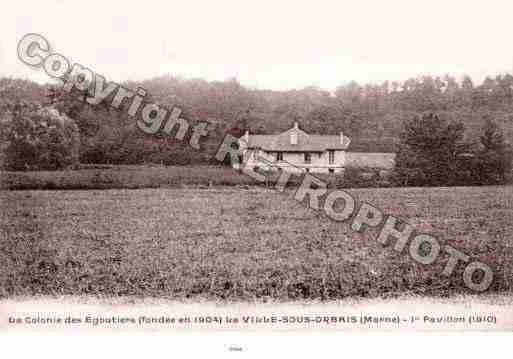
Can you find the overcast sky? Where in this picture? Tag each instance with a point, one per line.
(267, 44)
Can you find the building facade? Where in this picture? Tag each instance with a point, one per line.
(295, 151)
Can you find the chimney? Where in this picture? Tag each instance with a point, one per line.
(296, 126)
(341, 137)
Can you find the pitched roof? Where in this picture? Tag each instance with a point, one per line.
(305, 142)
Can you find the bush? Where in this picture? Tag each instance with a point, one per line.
(494, 159)
(36, 138)
(365, 177)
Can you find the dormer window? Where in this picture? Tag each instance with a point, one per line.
(293, 138)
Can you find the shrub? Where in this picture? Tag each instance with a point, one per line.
(357, 177)
(36, 138)
(363, 177)
(494, 160)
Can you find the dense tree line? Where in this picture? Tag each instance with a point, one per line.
(432, 152)
(373, 115)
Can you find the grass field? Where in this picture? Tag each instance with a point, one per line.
(234, 244)
(137, 177)
(124, 177)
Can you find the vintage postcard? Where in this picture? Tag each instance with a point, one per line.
(256, 166)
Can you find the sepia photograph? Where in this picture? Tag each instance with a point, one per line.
(241, 166)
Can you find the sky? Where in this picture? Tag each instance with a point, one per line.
(275, 44)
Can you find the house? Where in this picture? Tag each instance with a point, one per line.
(295, 151)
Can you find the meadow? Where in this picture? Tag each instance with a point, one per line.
(240, 244)
(123, 177)
(88, 177)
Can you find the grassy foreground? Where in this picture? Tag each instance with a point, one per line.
(119, 177)
(139, 177)
(235, 244)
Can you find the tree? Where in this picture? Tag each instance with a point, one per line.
(325, 120)
(428, 151)
(494, 160)
(38, 138)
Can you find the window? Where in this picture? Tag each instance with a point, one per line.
(331, 155)
(308, 157)
(331, 170)
(279, 156)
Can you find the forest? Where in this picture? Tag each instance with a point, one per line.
(372, 115)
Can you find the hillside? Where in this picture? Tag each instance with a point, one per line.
(372, 114)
